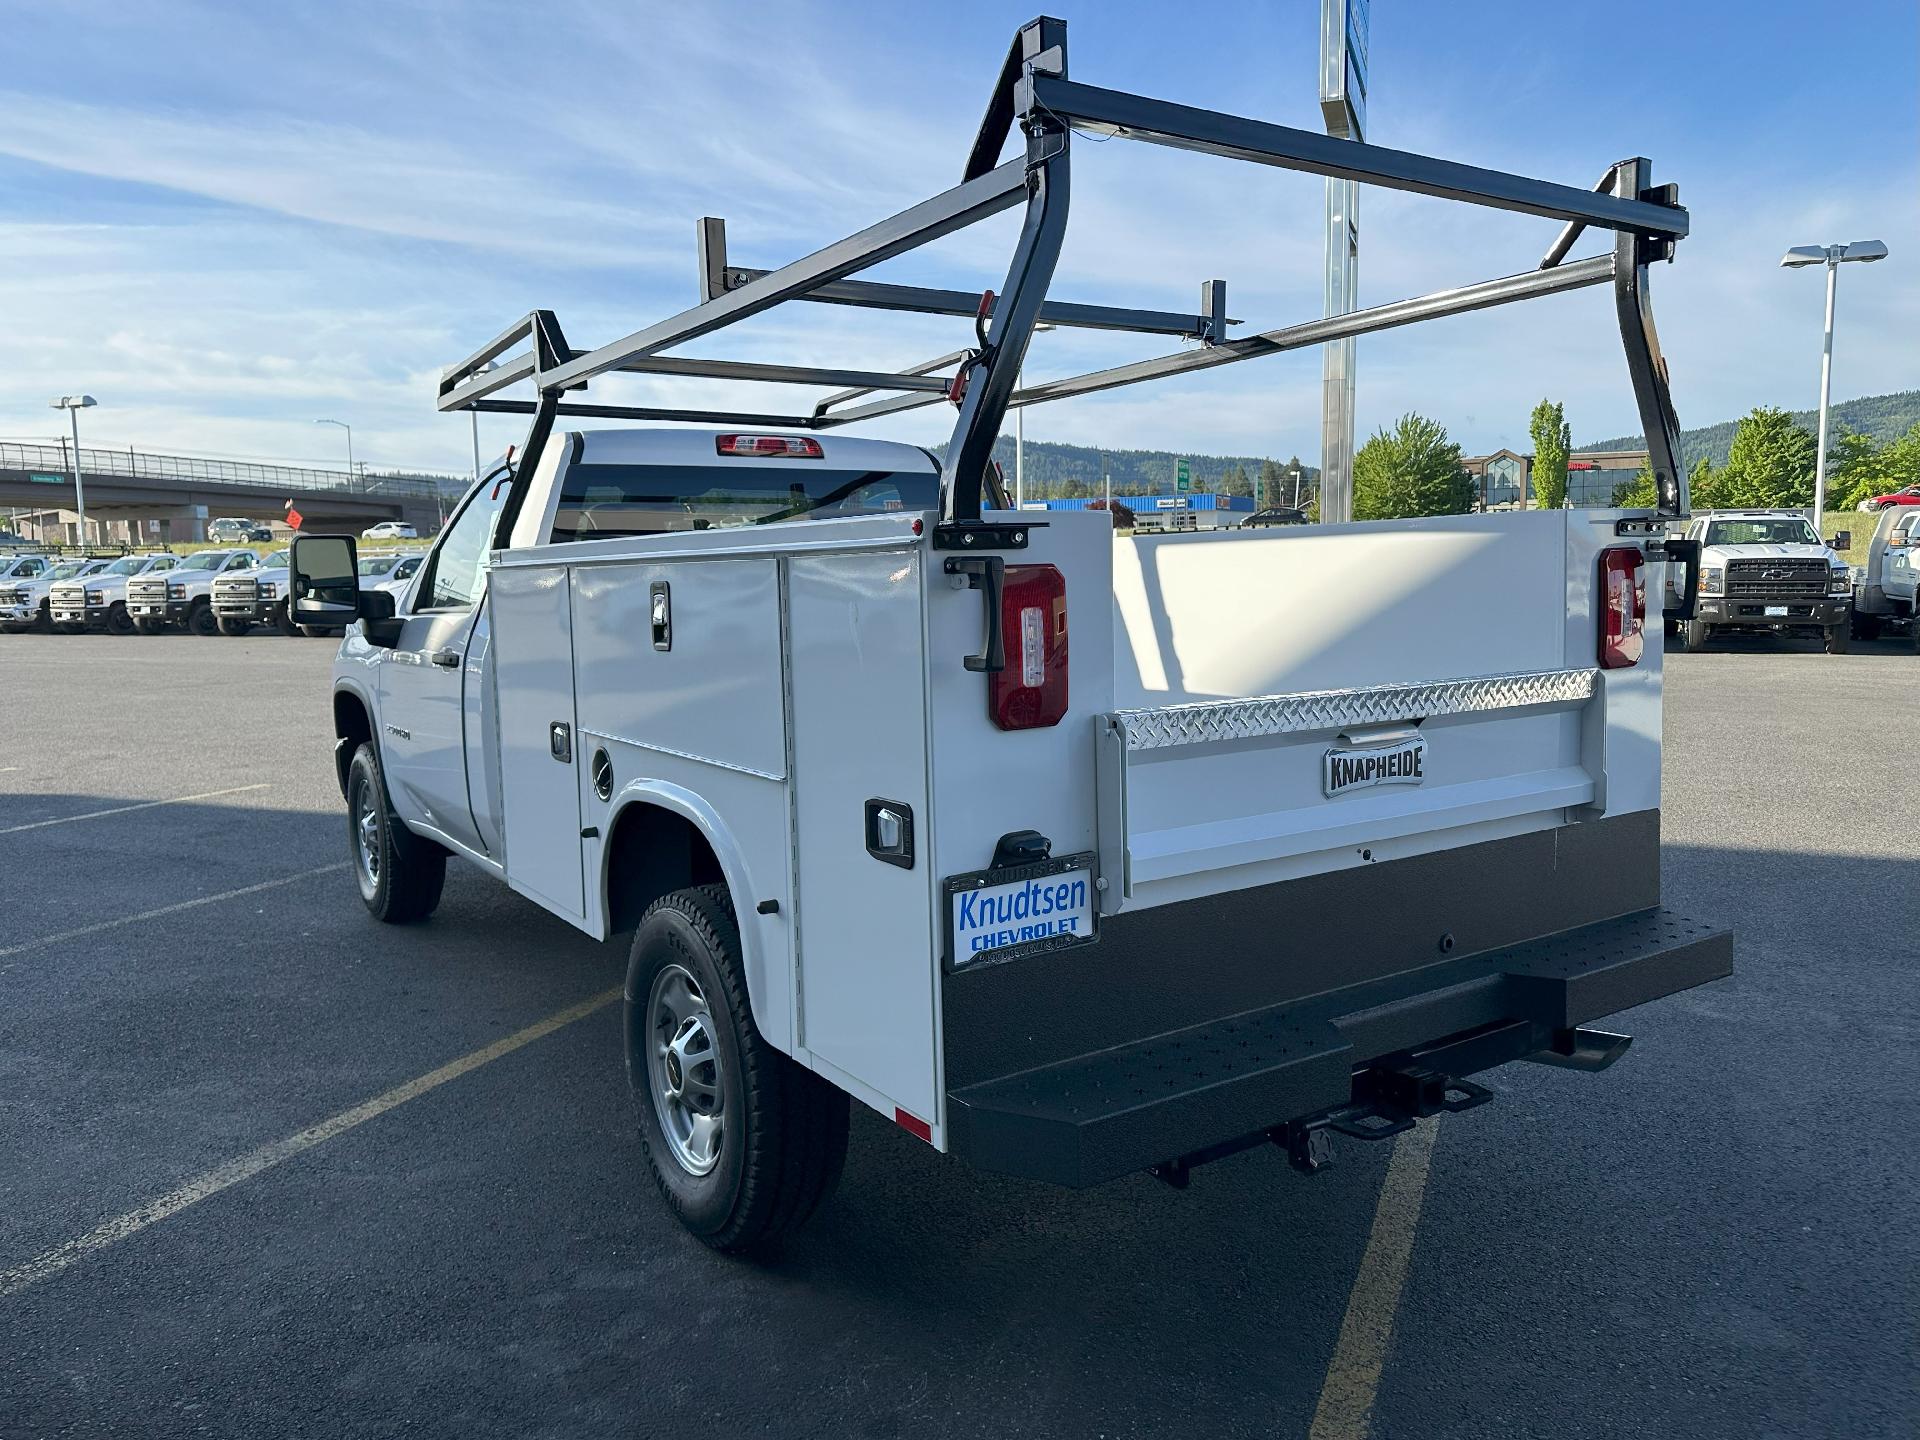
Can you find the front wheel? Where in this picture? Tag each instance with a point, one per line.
(400, 873)
(283, 620)
(1865, 627)
(119, 622)
(202, 621)
(1839, 639)
(234, 627)
(1695, 635)
(743, 1142)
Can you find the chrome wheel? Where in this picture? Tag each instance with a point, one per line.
(366, 838)
(683, 1069)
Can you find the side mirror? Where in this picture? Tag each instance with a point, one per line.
(1842, 541)
(323, 579)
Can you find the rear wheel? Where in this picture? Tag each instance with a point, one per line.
(201, 620)
(743, 1142)
(118, 621)
(400, 874)
(234, 627)
(1839, 639)
(1695, 635)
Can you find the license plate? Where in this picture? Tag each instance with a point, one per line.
(1020, 910)
(1776, 610)
(1404, 763)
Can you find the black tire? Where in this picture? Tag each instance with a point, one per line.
(1694, 636)
(400, 874)
(234, 627)
(283, 620)
(43, 622)
(782, 1129)
(119, 622)
(1673, 626)
(1913, 633)
(315, 632)
(150, 627)
(201, 619)
(1839, 639)
(1865, 627)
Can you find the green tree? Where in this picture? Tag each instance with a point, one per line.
(1274, 489)
(1552, 439)
(1235, 481)
(1770, 463)
(1703, 485)
(1414, 469)
(1858, 469)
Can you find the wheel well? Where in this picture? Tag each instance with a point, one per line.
(652, 852)
(353, 728)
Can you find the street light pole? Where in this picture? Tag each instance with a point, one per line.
(1020, 431)
(73, 405)
(349, 429)
(1833, 257)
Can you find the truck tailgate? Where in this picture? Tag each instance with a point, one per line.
(1279, 733)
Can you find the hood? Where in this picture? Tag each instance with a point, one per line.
(1771, 552)
(112, 585)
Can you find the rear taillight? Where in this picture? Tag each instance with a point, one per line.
(1623, 608)
(1030, 691)
(769, 447)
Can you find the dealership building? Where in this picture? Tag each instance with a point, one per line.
(1592, 475)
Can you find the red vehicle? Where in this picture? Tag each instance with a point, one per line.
(1908, 496)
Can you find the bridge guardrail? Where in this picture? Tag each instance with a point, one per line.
(57, 460)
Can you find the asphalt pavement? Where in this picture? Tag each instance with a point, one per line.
(1716, 1238)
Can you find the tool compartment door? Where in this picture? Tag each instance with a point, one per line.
(858, 727)
(539, 789)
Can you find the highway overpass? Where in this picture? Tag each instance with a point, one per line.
(135, 495)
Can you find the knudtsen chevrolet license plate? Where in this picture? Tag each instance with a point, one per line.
(1402, 764)
(1019, 910)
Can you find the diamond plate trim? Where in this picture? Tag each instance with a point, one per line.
(1210, 720)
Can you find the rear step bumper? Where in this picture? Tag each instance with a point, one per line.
(1095, 1117)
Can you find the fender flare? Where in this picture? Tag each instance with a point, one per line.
(763, 988)
(343, 758)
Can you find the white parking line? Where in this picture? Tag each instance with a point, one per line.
(123, 809)
(221, 1177)
(172, 909)
(1345, 1411)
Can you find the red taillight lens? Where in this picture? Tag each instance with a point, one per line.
(1623, 608)
(769, 447)
(1030, 692)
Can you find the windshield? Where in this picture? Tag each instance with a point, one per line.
(65, 572)
(378, 564)
(276, 557)
(205, 560)
(129, 566)
(602, 500)
(1775, 530)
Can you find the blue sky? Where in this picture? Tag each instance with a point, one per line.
(226, 221)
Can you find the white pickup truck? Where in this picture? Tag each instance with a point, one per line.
(1766, 572)
(1054, 848)
(1884, 587)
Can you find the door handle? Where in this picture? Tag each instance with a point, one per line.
(446, 659)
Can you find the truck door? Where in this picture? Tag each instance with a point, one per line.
(423, 678)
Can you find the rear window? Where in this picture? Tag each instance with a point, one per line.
(597, 501)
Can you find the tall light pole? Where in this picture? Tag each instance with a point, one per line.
(1833, 257)
(349, 429)
(73, 405)
(1020, 431)
(1344, 27)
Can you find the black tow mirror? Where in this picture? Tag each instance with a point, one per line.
(323, 576)
(1842, 541)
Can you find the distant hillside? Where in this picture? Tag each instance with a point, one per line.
(1882, 417)
(1055, 470)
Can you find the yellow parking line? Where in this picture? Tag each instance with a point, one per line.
(173, 909)
(222, 1177)
(123, 809)
(1353, 1375)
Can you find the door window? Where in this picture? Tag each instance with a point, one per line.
(457, 569)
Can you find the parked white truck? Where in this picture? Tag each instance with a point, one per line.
(1766, 572)
(1884, 586)
(1051, 847)
(99, 601)
(184, 595)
